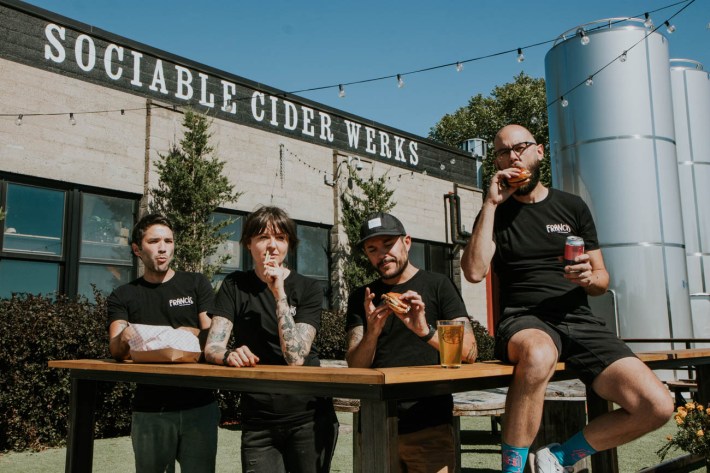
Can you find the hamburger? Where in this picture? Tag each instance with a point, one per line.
(522, 177)
(397, 305)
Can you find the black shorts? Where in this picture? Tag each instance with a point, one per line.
(583, 342)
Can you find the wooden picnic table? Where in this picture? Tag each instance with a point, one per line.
(377, 389)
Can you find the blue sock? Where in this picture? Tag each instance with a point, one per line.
(573, 450)
(513, 458)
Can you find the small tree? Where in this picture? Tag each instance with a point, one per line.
(190, 189)
(367, 196)
(522, 101)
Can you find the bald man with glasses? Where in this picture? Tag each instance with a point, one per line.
(545, 316)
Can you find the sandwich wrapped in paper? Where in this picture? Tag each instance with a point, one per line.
(163, 344)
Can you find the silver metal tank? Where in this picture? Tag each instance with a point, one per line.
(690, 86)
(612, 142)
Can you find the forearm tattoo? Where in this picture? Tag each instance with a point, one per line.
(296, 339)
(217, 339)
(473, 352)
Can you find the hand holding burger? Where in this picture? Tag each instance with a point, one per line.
(523, 175)
(393, 301)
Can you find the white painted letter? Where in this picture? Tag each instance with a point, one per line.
(307, 117)
(274, 116)
(78, 53)
(229, 90)
(110, 49)
(385, 150)
(398, 151)
(370, 136)
(257, 97)
(61, 53)
(136, 69)
(413, 156)
(203, 91)
(353, 133)
(183, 81)
(158, 78)
(325, 133)
(291, 119)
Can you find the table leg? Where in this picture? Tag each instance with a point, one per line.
(703, 378)
(80, 440)
(378, 421)
(606, 461)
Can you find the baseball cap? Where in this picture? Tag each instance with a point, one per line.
(379, 224)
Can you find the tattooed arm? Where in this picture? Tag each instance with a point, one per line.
(296, 338)
(119, 332)
(470, 347)
(217, 339)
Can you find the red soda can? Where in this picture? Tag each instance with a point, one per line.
(574, 246)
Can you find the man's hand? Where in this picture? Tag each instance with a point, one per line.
(415, 319)
(241, 357)
(376, 316)
(580, 273)
(499, 189)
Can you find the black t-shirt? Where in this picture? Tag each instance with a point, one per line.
(530, 240)
(247, 302)
(175, 303)
(399, 346)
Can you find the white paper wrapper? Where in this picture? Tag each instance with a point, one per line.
(163, 344)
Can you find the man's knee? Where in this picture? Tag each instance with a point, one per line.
(536, 356)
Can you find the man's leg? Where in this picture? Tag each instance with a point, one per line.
(428, 450)
(645, 405)
(155, 440)
(534, 355)
(197, 452)
(261, 451)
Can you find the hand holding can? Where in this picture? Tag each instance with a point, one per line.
(574, 246)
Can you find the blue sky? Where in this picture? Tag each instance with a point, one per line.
(294, 45)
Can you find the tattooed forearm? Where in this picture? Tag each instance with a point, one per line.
(296, 339)
(470, 339)
(217, 339)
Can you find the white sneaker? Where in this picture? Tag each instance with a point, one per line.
(547, 462)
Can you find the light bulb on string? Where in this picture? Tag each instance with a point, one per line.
(400, 81)
(623, 57)
(563, 102)
(453, 161)
(459, 67)
(72, 120)
(584, 39)
(18, 122)
(442, 166)
(589, 81)
(670, 28)
(648, 22)
(521, 56)
(341, 91)
(123, 112)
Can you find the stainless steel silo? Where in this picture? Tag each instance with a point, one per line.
(612, 142)
(690, 86)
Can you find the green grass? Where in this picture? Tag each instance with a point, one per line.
(480, 452)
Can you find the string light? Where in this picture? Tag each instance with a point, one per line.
(453, 161)
(341, 91)
(589, 81)
(623, 57)
(670, 28)
(442, 166)
(400, 81)
(563, 102)
(123, 112)
(648, 22)
(18, 122)
(459, 67)
(521, 56)
(584, 39)
(72, 120)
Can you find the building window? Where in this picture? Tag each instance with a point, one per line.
(231, 248)
(312, 257)
(60, 239)
(105, 259)
(431, 256)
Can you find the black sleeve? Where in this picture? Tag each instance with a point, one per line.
(450, 300)
(309, 304)
(115, 308)
(205, 294)
(225, 304)
(355, 316)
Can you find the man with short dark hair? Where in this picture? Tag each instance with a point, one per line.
(545, 317)
(378, 337)
(169, 423)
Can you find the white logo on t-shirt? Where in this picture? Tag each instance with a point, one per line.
(558, 228)
(181, 301)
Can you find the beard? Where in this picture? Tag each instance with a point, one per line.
(396, 272)
(534, 179)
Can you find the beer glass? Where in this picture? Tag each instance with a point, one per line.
(450, 342)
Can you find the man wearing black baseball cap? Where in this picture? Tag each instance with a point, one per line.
(378, 337)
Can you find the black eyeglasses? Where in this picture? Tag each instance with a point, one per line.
(517, 148)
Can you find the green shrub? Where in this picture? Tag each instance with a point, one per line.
(34, 399)
(484, 341)
(331, 339)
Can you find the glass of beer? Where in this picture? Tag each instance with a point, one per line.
(450, 342)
